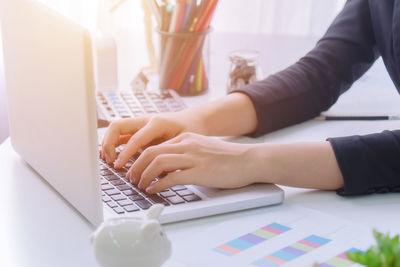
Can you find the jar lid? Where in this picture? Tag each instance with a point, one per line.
(244, 55)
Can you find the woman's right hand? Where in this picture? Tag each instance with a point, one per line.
(229, 116)
(138, 133)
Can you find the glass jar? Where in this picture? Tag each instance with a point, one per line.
(244, 69)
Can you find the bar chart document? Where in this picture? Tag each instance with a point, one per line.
(287, 235)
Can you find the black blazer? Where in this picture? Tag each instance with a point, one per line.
(363, 31)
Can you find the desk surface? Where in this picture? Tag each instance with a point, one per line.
(38, 228)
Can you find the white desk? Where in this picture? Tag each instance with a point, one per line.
(38, 228)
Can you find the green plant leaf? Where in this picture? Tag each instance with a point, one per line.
(386, 252)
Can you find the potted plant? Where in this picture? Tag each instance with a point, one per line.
(386, 253)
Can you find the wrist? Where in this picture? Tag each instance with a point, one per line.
(261, 166)
(190, 121)
(232, 115)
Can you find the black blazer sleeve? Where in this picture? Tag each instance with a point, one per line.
(314, 83)
(369, 163)
(300, 92)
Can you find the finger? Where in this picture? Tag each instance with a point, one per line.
(123, 139)
(108, 152)
(165, 163)
(114, 131)
(179, 138)
(148, 155)
(170, 180)
(140, 139)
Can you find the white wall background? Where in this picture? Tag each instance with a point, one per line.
(288, 17)
(296, 17)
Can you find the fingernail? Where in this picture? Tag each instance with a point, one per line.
(150, 189)
(140, 185)
(107, 158)
(118, 163)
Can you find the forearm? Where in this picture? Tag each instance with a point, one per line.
(314, 83)
(308, 165)
(232, 115)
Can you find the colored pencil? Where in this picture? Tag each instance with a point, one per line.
(172, 43)
(190, 77)
(156, 10)
(199, 10)
(200, 25)
(174, 18)
(181, 15)
(182, 66)
(199, 75)
(190, 4)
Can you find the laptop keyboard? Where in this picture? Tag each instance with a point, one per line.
(117, 192)
(122, 196)
(112, 105)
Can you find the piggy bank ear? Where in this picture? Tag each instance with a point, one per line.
(150, 228)
(155, 211)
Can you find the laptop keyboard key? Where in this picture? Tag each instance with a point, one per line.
(184, 193)
(167, 194)
(106, 198)
(157, 199)
(118, 210)
(118, 197)
(103, 167)
(111, 177)
(105, 187)
(112, 204)
(106, 172)
(123, 187)
(191, 198)
(131, 208)
(129, 192)
(122, 172)
(117, 182)
(124, 202)
(143, 204)
(178, 187)
(103, 181)
(136, 197)
(112, 192)
(176, 200)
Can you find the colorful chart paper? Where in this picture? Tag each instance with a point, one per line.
(286, 235)
(292, 252)
(251, 239)
(340, 260)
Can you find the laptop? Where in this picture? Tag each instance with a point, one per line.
(53, 125)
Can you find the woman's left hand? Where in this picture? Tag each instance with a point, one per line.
(193, 159)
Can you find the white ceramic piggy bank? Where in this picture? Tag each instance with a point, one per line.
(132, 241)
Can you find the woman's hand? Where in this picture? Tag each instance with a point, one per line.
(229, 116)
(193, 159)
(206, 161)
(138, 133)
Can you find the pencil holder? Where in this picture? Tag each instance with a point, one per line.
(184, 61)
